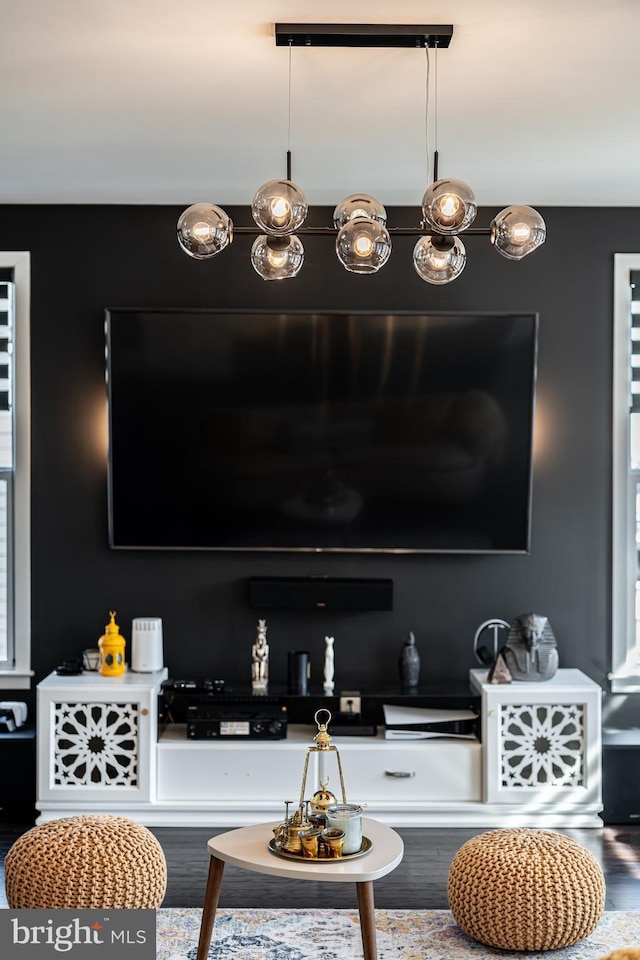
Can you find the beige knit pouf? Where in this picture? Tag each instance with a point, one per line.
(624, 953)
(88, 861)
(525, 890)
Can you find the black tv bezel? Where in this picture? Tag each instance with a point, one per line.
(325, 550)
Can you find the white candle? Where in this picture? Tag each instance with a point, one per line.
(348, 818)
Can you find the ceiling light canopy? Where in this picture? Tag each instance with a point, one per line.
(363, 240)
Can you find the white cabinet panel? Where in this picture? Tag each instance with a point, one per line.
(542, 741)
(231, 772)
(96, 739)
(393, 772)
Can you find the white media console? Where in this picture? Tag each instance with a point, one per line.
(539, 763)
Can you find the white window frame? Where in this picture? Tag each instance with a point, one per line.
(625, 649)
(19, 675)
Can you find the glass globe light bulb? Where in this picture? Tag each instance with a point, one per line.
(279, 207)
(363, 245)
(277, 258)
(521, 233)
(280, 210)
(439, 259)
(449, 206)
(204, 230)
(358, 205)
(517, 231)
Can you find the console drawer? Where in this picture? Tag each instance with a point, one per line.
(232, 771)
(384, 771)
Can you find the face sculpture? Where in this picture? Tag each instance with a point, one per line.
(532, 627)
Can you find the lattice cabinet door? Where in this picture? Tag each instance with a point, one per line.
(541, 741)
(97, 737)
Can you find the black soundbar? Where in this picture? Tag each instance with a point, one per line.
(320, 593)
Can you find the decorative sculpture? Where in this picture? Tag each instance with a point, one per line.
(499, 672)
(483, 654)
(111, 645)
(531, 651)
(328, 666)
(409, 663)
(260, 660)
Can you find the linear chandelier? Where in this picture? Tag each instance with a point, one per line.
(363, 240)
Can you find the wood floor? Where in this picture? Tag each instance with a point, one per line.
(419, 883)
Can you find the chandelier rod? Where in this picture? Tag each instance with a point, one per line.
(435, 142)
(394, 231)
(289, 116)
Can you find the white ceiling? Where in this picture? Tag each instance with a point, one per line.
(175, 101)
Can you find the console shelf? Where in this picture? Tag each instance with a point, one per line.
(169, 780)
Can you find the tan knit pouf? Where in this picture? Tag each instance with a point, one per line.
(624, 953)
(525, 890)
(88, 861)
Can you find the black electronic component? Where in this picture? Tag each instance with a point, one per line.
(233, 722)
(321, 593)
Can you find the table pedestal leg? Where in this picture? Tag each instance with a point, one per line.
(367, 919)
(212, 894)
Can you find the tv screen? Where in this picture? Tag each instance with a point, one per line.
(328, 431)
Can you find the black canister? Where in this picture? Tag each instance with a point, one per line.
(299, 671)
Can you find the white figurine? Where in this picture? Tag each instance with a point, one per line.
(328, 665)
(260, 660)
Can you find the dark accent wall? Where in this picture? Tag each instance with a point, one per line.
(86, 258)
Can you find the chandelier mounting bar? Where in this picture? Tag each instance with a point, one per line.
(362, 35)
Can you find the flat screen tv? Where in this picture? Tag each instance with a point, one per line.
(320, 431)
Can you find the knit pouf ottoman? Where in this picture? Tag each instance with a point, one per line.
(88, 861)
(525, 890)
(624, 953)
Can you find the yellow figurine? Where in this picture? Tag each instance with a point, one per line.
(112, 645)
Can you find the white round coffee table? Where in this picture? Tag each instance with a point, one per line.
(248, 848)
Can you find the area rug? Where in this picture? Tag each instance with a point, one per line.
(335, 935)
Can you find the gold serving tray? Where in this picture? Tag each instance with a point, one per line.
(275, 847)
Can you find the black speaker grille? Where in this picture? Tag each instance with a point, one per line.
(320, 593)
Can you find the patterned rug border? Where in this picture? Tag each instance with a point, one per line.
(328, 934)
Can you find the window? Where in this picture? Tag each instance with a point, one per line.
(625, 591)
(15, 579)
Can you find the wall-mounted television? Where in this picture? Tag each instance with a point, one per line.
(336, 431)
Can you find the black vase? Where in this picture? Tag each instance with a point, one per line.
(409, 663)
